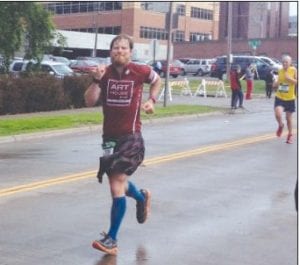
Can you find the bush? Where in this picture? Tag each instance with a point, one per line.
(74, 87)
(33, 92)
(43, 92)
(12, 97)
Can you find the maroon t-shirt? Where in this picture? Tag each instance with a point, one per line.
(121, 98)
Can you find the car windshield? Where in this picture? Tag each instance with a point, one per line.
(62, 69)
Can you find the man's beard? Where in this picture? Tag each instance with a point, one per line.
(119, 60)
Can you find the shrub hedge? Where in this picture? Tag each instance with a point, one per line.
(41, 92)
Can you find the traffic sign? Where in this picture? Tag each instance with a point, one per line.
(254, 43)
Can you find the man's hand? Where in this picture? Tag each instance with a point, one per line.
(148, 106)
(99, 72)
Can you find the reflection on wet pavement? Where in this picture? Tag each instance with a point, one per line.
(28, 153)
(107, 260)
(141, 256)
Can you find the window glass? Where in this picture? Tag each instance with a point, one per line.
(18, 66)
(201, 13)
(180, 10)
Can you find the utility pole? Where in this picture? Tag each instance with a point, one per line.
(168, 53)
(229, 40)
(96, 35)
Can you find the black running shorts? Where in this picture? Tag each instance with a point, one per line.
(128, 154)
(288, 105)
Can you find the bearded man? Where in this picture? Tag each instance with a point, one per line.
(120, 88)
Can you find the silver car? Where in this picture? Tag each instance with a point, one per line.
(197, 66)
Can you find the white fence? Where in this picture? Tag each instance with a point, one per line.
(185, 88)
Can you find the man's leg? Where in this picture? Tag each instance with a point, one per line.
(241, 98)
(278, 116)
(142, 198)
(289, 121)
(249, 89)
(117, 187)
(117, 184)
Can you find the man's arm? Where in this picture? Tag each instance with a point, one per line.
(92, 93)
(148, 106)
(290, 79)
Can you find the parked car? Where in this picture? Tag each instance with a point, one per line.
(275, 65)
(98, 60)
(218, 68)
(139, 62)
(83, 66)
(185, 60)
(175, 68)
(61, 59)
(197, 66)
(57, 69)
(54, 68)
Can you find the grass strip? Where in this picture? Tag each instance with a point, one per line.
(46, 122)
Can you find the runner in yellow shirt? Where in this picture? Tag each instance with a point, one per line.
(285, 96)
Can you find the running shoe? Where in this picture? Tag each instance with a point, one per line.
(279, 130)
(289, 139)
(143, 207)
(106, 244)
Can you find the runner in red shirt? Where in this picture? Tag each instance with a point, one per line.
(120, 87)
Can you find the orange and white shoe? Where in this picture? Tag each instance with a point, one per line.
(106, 244)
(143, 207)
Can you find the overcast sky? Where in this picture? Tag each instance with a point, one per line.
(293, 8)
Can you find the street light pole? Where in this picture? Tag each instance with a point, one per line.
(168, 53)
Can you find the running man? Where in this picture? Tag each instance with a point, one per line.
(285, 96)
(119, 87)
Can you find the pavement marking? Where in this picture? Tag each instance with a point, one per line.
(147, 162)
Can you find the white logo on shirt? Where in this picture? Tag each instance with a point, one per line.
(119, 92)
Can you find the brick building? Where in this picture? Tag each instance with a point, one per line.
(201, 29)
(144, 21)
(252, 20)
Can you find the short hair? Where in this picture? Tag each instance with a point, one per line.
(286, 57)
(122, 37)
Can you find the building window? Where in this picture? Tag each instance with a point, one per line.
(102, 30)
(180, 10)
(198, 37)
(82, 7)
(161, 7)
(146, 5)
(178, 36)
(201, 13)
(153, 33)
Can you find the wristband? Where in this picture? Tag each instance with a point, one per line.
(95, 80)
(153, 99)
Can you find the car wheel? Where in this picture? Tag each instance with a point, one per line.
(174, 76)
(200, 72)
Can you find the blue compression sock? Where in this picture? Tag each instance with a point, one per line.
(118, 210)
(134, 192)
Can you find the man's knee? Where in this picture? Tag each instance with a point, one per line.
(117, 184)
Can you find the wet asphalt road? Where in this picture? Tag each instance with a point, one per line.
(227, 206)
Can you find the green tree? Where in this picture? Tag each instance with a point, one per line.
(24, 23)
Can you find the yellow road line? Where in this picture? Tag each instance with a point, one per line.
(147, 162)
